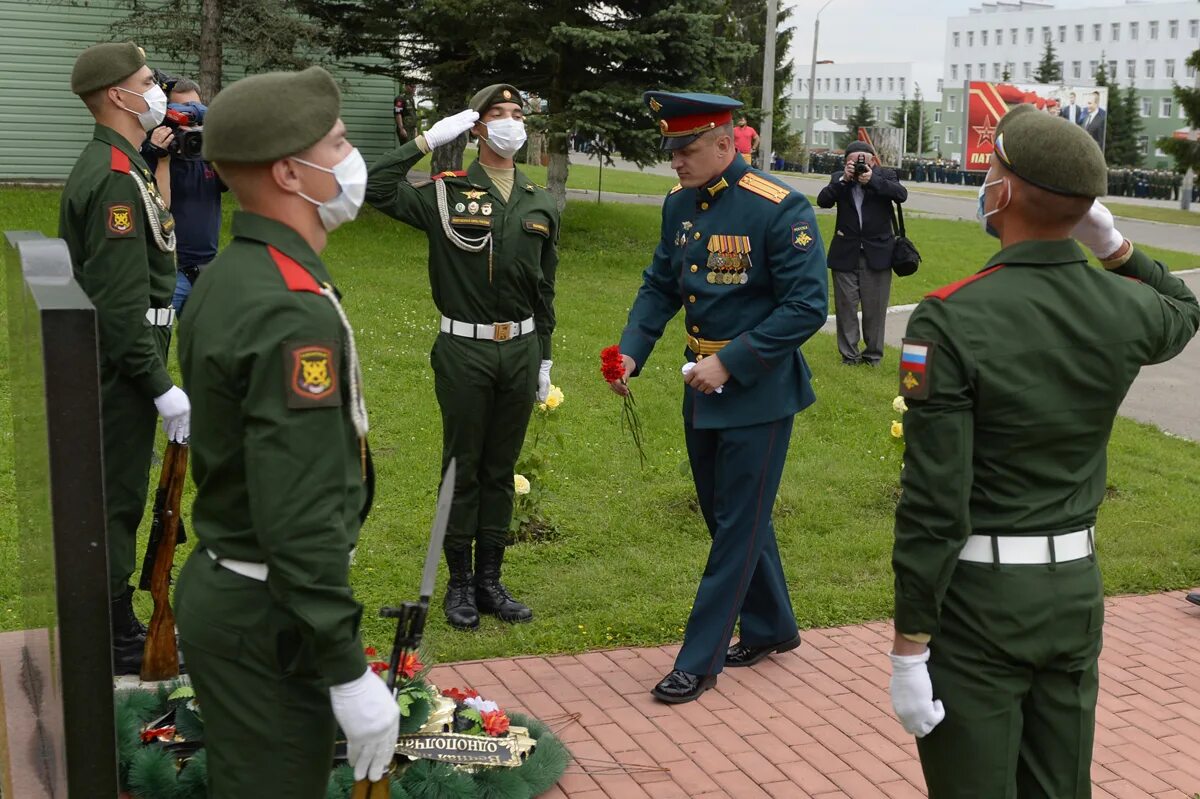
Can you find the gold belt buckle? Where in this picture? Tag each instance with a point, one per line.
(503, 331)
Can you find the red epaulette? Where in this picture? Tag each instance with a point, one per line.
(295, 276)
(946, 291)
(449, 174)
(120, 161)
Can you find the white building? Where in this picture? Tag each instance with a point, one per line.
(1142, 44)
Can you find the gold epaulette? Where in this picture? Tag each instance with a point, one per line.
(675, 188)
(763, 187)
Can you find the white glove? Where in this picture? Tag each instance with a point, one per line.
(368, 714)
(912, 694)
(544, 381)
(687, 369)
(447, 130)
(176, 412)
(1097, 231)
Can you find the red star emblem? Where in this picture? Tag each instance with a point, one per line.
(986, 132)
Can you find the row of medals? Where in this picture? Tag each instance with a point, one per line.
(473, 208)
(727, 269)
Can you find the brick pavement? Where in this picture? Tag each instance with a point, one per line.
(817, 722)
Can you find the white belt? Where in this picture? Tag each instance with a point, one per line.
(255, 571)
(160, 317)
(500, 331)
(1030, 549)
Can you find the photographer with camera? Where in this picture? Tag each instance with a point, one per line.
(860, 252)
(188, 183)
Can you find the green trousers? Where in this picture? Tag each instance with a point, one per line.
(486, 391)
(268, 722)
(128, 424)
(1015, 664)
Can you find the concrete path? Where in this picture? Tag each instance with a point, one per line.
(1163, 395)
(817, 722)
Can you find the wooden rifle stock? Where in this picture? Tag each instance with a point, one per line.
(372, 790)
(160, 659)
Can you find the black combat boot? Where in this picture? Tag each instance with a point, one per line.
(128, 635)
(460, 591)
(490, 593)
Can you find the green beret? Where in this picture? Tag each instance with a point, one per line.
(266, 117)
(1051, 152)
(494, 95)
(104, 65)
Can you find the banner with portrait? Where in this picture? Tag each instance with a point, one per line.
(987, 103)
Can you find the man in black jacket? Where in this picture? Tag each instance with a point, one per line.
(860, 254)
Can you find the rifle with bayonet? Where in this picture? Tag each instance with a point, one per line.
(410, 617)
(160, 658)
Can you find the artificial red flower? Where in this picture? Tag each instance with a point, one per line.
(158, 734)
(378, 666)
(410, 664)
(459, 694)
(495, 723)
(370, 652)
(612, 365)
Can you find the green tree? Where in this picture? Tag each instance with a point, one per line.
(862, 117)
(1048, 69)
(1006, 75)
(1186, 152)
(588, 63)
(1121, 129)
(918, 137)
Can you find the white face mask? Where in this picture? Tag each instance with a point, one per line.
(983, 215)
(351, 176)
(156, 107)
(506, 136)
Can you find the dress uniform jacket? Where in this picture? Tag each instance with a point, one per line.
(868, 235)
(121, 239)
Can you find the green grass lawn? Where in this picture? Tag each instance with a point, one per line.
(1153, 213)
(631, 547)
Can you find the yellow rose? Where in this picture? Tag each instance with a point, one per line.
(520, 484)
(898, 405)
(554, 398)
(897, 430)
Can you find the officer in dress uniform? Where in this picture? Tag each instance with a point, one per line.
(122, 242)
(741, 254)
(266, 616)
(493, 254)
(1013, 377)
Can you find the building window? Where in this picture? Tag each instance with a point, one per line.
(1045, 34)
(1145, 103)
(1079, 33)
(970, 38)
(1169, 67)
(878, 114)
(891, 84)
(954, 72)
(1164, 109)
(1133, 31)
(949, 135)
(1025, 70)
(1149, 67)
(995, 70)
(1012, 35)
(1076, 69)
(1096, 29)
(1143, 145)
(967, 71)
(1116, 31)
(953, 103)
(1173, 29)
(1062, 34)
(941, 85)
(902, 85)
(879, 84)
(1092, 67)
(937, 143)
(937, 116)
(1029, 36)
(1112, 69)
(1131, 68)
(837, 84)
(1153, 29)
(817, 112)
(858, 85)
(956, 37)
(983, 38)
(1194, 29)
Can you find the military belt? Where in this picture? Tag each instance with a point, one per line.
(499, 331)
(255, 571)
(160, 317)
(704, 346)
(1027, 550)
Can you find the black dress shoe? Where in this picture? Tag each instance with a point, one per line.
(1194, 597)
(681, 686)
(745, 655)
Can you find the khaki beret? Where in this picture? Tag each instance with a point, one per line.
(494, 95)
(1051, 152)
(266, 117)
(104, 65)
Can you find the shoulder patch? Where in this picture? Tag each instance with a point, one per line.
(120, 221)
(756, 184)
(449, 174)
(675, 188)
(311, 369)
(945, 291)
(295, 276)
(119, 162)
(916, 365)
(802, 237)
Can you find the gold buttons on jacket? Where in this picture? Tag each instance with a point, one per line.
(703, 206)
(696, 235)
(695, 267)
(695, 328)
(691, 298)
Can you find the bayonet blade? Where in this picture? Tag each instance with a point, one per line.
(441, 518)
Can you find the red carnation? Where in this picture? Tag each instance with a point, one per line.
(378, 666)
(495, 723)
(168, 734)
(370, 652)
(460, 694)
(612, 366)
(410, 665)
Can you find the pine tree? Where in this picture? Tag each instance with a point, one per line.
(917, 139)
(1132, 112)
(1186, 152)
(1006, 75)
(1048, 70)
(862, 117)
(1123, 123)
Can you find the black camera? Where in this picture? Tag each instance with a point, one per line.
(860, 166)
(188, 132)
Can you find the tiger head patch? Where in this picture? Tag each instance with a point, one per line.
(311, 370)
(119, 221)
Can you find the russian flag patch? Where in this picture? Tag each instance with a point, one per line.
(916, 358)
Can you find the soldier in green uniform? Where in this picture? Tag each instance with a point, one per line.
(493, 254)
(122, 242)
(1013, 377)
(741, 254)
(266, 616)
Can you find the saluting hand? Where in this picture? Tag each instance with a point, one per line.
(621, 387)
(447, 130)
(708, 375)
